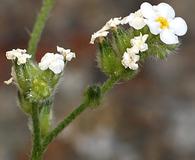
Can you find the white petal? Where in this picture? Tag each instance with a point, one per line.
(70, 56)
(165, 10)
(145, 37)
(168, 37)
(154, 27)
(134, 66)
(47, 57)
(43, 65)
(125, 20)
(59, 56)
(148, 11)
(179, 26)
(57, 66)
(8, 82)
(144, 47)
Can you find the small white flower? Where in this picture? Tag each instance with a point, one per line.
(135, 20)
(98, 34)
(103, 32)
(138, 43)
(112, 23)
(161, 20)
(130, 59)
(68, 55)
(19, 54)
(54, 62)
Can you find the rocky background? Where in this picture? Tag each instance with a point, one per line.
(149, 118)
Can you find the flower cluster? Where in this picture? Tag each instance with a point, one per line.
(18, 54)
(130, 57)
(155, 24)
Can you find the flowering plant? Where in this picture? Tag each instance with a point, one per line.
(123, 44)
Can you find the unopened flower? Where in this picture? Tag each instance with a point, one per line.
(130, 59)
(68, 55)
(54, 62)
(19, 54)
(139, 43)
(161, 20)
(135, 20)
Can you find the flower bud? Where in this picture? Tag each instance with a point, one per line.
(93, 95)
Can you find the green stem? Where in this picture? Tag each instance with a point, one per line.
(39, 26)
(109, 84)
(54, 133)
(74, 114)
(36, 134)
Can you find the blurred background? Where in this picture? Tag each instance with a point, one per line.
(151, 117)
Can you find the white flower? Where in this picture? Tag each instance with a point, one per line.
(19, 54)
(138, 43)
(161, 20)
(68, 55)
(98, 34)
(130, 59)
(112, 23)
(135, 20)
(103, 32)
(54, 62)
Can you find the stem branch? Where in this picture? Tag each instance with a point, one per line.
(39, 26)
(74, 114)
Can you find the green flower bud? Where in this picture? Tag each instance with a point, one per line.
(93, 95)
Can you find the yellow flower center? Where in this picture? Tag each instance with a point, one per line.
(164, 24)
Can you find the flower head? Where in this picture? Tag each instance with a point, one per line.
(139, 44)
(54, 62)
(130, 59)
(68, 55)
(135, 20)
(161, 20)
(19, 54)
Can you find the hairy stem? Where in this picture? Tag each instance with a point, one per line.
(36, 134)
(39, 26)
(74, 114)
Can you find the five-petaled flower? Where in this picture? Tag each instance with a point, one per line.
(54, 62)
(18, 54)
(161, 20)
